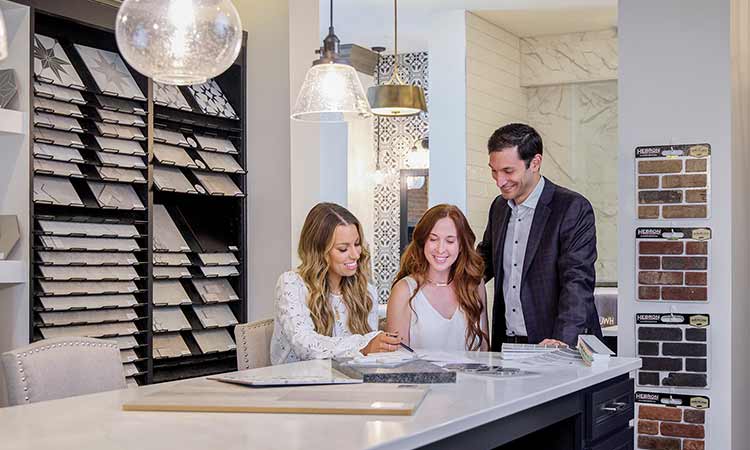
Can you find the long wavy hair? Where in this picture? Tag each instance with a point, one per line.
(466, 272)
(316, 240)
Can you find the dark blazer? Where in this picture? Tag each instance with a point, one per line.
(557, 282)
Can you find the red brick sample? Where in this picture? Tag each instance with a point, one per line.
(671, 421)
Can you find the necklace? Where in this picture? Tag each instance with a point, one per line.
(438, 284)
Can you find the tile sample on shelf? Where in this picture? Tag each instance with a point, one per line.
(55, 122)
(94, 273)
(169, 345)
(674, 350)
(119, 160)
(214, 340)
(59, 168)
(215, 144)
(215, 316)
(171, 259)
(167, 272)
(124, 342)
(116, 196)
(212, 100)
(62, 258)
(173, 156)
(217, 183)
(54, 137)
(673, 264)
(118, 118)
(676, 421)
(120, 131)
(8, 87)
(110, 73)
(219, 271)
(167, 237)
(57, 153)
(170, 137)
(46, 105)
(170, 96)
(58, 93)
(220, 162)
(130, 369)
(171, 179)
(128, 356)
(673, 181)
(87, 302)
(170, 318)
(87, 287)
(88, 317)
(52, 65)
(121, 146)
(120, 105)
(218, 259)
(95, 331)
(120, 174)
(170, 293)
(65, 228)
(214, 290)
(55, 191)
(88, 244)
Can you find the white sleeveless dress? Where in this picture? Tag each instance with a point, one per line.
(429, 330)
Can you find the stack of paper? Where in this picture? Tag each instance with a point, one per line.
(521, 351)
(592, 350)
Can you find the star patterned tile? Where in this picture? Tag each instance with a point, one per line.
(170, 96)
(110, 73)
(212, 100)
(52, 65)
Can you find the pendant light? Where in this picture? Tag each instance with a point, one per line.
(396, 99)
(331, 91)
(179, 42)
(3, 38)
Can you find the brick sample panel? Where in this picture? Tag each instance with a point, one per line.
(672, 264)
(671, 421)
(672, 181)
(674, 350)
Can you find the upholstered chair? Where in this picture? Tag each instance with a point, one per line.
(254, 344)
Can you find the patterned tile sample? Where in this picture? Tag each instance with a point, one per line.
(120, 174)
(674, 350)
(216, 340)
(52, 65)
(58, 93)
(170, 318)
(57, 153)
(116, 195)
(170, 293)
(42, 104)
(110, 73)
(171, 259)
(168, 272)
(87, 287)
(120, 105)
(88, 229)
(119, 146)
(119, 118)
(673, 181)
(666, 421)
(55, 137)
(174, 156)
(215, 144)
(118, 160)
(169, 345)
(8, 87)
(124, 342)
(172, 179)
(219, 271)
(212, 100)
(167, 237)
(88, 317)
(170, 137)
(87, 302)
(55, 191)
(215, 316)
(62, 169)
(88, 244)
(214, 290)
(673, 264)
(56, 122)
(220, 162)
(87, 259)
(120, 131)
(67, 273)
(95, 331)
(217, 183)
(170, 96)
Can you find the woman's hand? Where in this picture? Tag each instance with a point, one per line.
(382, 342)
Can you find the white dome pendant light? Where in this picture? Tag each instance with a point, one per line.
(179, 42)
(3, 38)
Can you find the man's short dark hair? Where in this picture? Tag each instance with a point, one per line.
(517, 134)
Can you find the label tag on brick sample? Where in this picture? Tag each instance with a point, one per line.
(695, 320)
(672, 264)
(671, 421)
(672, 181)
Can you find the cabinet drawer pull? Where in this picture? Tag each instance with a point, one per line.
(614, 406)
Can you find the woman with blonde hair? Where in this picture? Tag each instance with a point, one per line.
(325, 309)
(438, 301)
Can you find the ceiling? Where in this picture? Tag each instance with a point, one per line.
(552, 21)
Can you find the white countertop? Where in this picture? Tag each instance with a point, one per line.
(96, 422)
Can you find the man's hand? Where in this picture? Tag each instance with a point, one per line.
(553, 343)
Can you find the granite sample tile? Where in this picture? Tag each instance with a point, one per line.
(8, 87)
(666, 421)
(170, 96)
(88, 317)
(110, 73)
(87, 287)
(121, 146)
(674, 349)
(216, 290)
(170, 318)
(219, 271)
(54, 137)
(116, 196)
(218, 259)
(215, 144)
(120, 105)
(170, 137)
(120, 131)
(63, 258)
(58, 93)
(220, 162)
(55, 122)
(57, 153)
(63, 228)
(95, 331)
(215, 316)
(212, 100)
(172, 179)
(46, 105)
(167, 237)
(88, 244)
(52, 65)
(59, 168)
(170, 293)
(93, 273)
(120, 174)
(417, 371)
(171, 259)
(55, 191)
(167, 272)
(169, 345)
(118, 160)
(673, 264)
(217, 183)
(72, 302)
(124, 342)
(215, 340)
(673, 181)
(173, 156)
(118, 118)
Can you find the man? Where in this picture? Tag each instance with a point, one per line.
(539, 245)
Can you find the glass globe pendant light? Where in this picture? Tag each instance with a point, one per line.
(395, 98)
(3, 38)
(331, 91)
(179, 42)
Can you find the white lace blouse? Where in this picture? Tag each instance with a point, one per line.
(294, 336)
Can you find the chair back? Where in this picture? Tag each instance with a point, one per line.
(254, 344)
